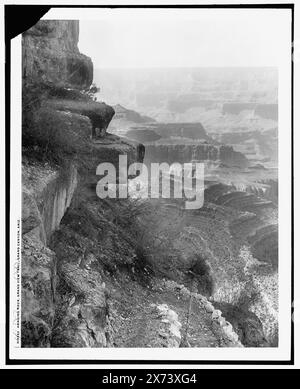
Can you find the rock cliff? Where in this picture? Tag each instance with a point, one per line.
(64, 301)
(201, 152)
(46, 196)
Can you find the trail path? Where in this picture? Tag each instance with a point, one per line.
(137, 322)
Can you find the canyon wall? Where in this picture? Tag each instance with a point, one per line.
(266, 188)
(86, 270)
(201, 152)
(266, 111)
(50, 54)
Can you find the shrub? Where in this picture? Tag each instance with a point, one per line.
(92, 91)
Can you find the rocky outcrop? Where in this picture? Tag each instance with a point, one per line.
(185, 130)
(201, 152)
(46, 196)
(51, 55)
(170, 326)
(265, 111)
(99, 114)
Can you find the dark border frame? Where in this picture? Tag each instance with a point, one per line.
(8, 36)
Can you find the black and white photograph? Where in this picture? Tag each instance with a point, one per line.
(151, 214)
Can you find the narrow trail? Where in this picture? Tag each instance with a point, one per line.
(137, 322)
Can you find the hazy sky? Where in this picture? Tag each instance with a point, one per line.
(178, 38)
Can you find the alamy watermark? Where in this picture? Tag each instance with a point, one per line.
(160, 180)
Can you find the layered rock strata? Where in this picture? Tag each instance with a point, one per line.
(64, 302)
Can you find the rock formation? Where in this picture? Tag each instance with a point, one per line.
(50, 54)
(235, 108)
(64, 304)
(130, 115)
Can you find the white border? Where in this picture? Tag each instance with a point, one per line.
(280, 353)
(16, 190)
